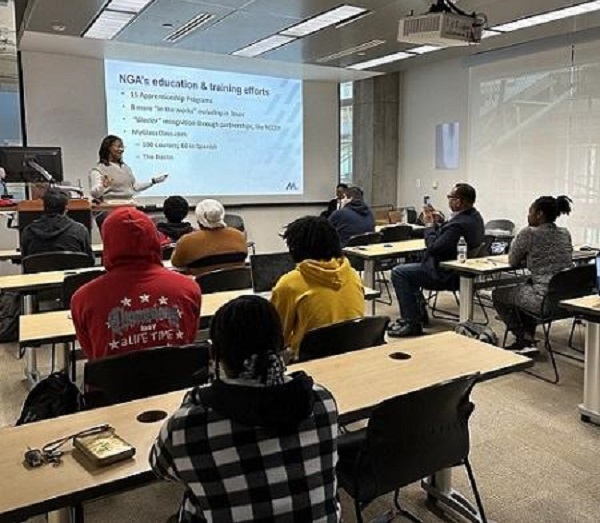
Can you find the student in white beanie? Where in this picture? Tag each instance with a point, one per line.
(213, 246)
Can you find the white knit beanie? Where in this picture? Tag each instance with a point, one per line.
(210, 214)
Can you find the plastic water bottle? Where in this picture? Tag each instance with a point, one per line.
(461, 250)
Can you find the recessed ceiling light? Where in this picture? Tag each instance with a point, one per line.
(402, 55)
(59, 27)
(128, 6)
(264, 45)
(550, 16)
(424, 49)
(108, 24)
(333, 17)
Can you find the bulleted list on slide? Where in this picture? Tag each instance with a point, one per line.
(214, 132)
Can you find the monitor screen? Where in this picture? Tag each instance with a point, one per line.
(268, 268)
(20, 163)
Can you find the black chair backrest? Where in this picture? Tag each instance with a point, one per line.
(235, 221)
(73, 282)
(574, 282)
(167, 251)
(268, 268)
(500, 225)
(225, 280)
(55, 261)
(345, 336)
(412, 436)
(144, 373)
(396, 233)
(367, 238)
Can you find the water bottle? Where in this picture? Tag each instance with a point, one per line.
(461, 250)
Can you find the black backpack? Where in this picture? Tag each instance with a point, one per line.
(10, 307)
(53, 396)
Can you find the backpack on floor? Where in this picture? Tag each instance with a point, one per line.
(53, 396)
(10, 308)
(478, 332)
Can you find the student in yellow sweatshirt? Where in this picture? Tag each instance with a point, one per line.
(323, 288)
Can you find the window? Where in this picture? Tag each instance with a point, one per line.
(346, 132)
(10, 112)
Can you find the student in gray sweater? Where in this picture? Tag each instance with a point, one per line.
(545, 250)
(111, 178)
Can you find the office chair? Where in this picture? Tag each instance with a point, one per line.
(143, 373)
(408, 438)
(344, 336)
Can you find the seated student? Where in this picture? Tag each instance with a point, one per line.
(255, 445)
(441, 242)
(322, 289)
(545, 250)
(138, 303)
(355, 216)
(335, 204)
(175, 209)
(213, 246)
(54, 230)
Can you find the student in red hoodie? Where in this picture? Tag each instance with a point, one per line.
(137, 304)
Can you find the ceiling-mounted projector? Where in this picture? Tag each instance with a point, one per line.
(445, 25)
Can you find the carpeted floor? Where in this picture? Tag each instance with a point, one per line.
(535, 461)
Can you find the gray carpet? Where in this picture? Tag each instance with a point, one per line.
(534, 460)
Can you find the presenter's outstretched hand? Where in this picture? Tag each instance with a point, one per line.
(159, 178)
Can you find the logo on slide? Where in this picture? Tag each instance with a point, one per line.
(291, 186)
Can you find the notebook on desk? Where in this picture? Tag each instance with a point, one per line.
(268, 268)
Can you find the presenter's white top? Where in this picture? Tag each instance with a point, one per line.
(123, 185)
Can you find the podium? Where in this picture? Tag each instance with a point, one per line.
(30, 210)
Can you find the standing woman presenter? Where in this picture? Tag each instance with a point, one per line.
(111, 178)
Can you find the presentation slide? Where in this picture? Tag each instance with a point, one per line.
(215, 133)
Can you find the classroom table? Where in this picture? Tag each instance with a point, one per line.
(474, 268)
(379, 251)
(588, 307)
(15, 255)
(433, 360)
(57, 327)
(413, 226)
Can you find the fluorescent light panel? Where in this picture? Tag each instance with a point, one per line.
(424, 49)
(191, 25)
(264, 45)
(550, 16)
(402, 55)
(108, 24)
(128, 6)
(327, 19)
(350, 51)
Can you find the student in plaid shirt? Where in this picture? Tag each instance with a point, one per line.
(256, 445)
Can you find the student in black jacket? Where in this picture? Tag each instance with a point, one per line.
(54, 230)
(354, 218)
(175, 209)
(441, 242)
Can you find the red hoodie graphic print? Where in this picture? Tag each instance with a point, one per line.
(137, 304)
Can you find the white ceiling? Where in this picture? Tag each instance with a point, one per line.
(238, 23)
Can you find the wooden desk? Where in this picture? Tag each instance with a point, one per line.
(379, 251)
(15, 256)
(589, 308)
(435, 359)
(473, 268)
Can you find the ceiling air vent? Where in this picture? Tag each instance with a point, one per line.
(191, 25)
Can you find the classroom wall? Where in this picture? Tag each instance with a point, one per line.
(431, 95)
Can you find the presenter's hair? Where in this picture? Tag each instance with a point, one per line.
(312, 238)
(55, 201)
(175, 209)
(103, 152)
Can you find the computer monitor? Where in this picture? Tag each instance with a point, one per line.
(268, 268)
(22, 164)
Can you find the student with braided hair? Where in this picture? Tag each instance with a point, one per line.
(256, 444)
(322, 289)
(545, 250)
